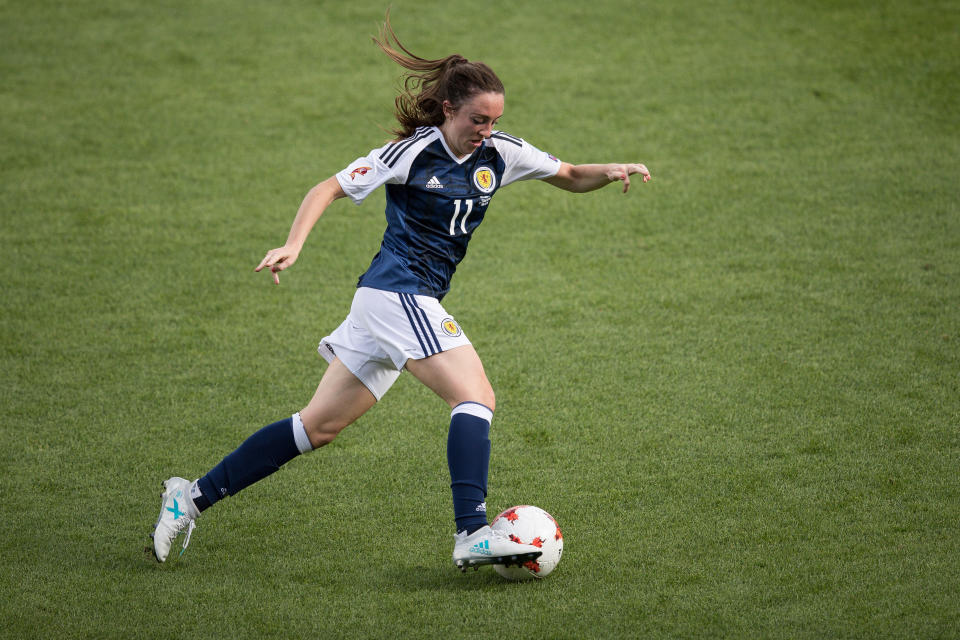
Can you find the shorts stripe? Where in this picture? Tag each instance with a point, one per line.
(425, 325)
(413, 325)
(431, 335)
(420, 325)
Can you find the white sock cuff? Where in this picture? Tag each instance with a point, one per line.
(194, 494)
(300, 435)
(475, 409)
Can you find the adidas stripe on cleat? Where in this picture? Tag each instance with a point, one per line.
(481, 547)
(486, 546)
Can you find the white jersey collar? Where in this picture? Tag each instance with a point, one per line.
(450, 153)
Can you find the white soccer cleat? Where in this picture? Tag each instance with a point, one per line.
(177, 513)
(486, 546)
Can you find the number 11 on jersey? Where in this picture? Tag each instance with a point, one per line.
(456, 214)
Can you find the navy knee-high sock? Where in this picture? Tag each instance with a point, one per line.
(468, 456)
(260, 455)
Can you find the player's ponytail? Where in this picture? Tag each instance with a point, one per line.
(430, 82)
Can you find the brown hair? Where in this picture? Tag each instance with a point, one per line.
(430, 82)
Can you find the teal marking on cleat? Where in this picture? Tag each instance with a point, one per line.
(175, 510)
(481, 547)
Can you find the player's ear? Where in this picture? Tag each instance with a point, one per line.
(448, 109)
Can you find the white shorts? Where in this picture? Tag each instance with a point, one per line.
(384, 330)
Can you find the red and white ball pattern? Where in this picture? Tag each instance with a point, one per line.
(527, 524)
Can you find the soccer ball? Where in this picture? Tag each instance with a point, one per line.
(530, 525)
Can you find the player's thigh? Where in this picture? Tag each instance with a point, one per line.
(455, 375)
(340, 399)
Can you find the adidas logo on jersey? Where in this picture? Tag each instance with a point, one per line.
(433, 183)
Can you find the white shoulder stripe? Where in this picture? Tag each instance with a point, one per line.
(500, 135)
(393, 154)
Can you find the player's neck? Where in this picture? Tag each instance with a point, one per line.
(458, 153)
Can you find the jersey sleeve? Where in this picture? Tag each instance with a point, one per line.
(523, 160)
(364, 175)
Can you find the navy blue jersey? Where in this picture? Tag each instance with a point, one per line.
(435, 201)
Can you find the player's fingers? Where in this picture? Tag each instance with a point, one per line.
(276, 269)
(626, 181)
(266, 262)
(273, 257)
(642, 170)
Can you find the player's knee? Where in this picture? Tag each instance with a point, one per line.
(484, 396)
(488, 399)
(322, 432)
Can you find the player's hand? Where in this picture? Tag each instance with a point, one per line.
(278, 260)
(624, 171)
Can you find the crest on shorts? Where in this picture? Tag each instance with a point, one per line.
(484, 179)
(451, 328)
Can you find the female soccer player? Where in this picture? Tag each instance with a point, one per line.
(440, 174)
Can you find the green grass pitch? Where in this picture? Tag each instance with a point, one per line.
(737, 387)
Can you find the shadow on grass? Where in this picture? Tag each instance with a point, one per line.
(442, 578)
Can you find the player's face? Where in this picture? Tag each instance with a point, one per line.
(466, 128)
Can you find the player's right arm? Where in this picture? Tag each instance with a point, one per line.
(312, 207)
(359, 179)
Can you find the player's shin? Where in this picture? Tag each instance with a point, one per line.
(468, 456)
(259, 456)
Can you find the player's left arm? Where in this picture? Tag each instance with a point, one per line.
(580, 178)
